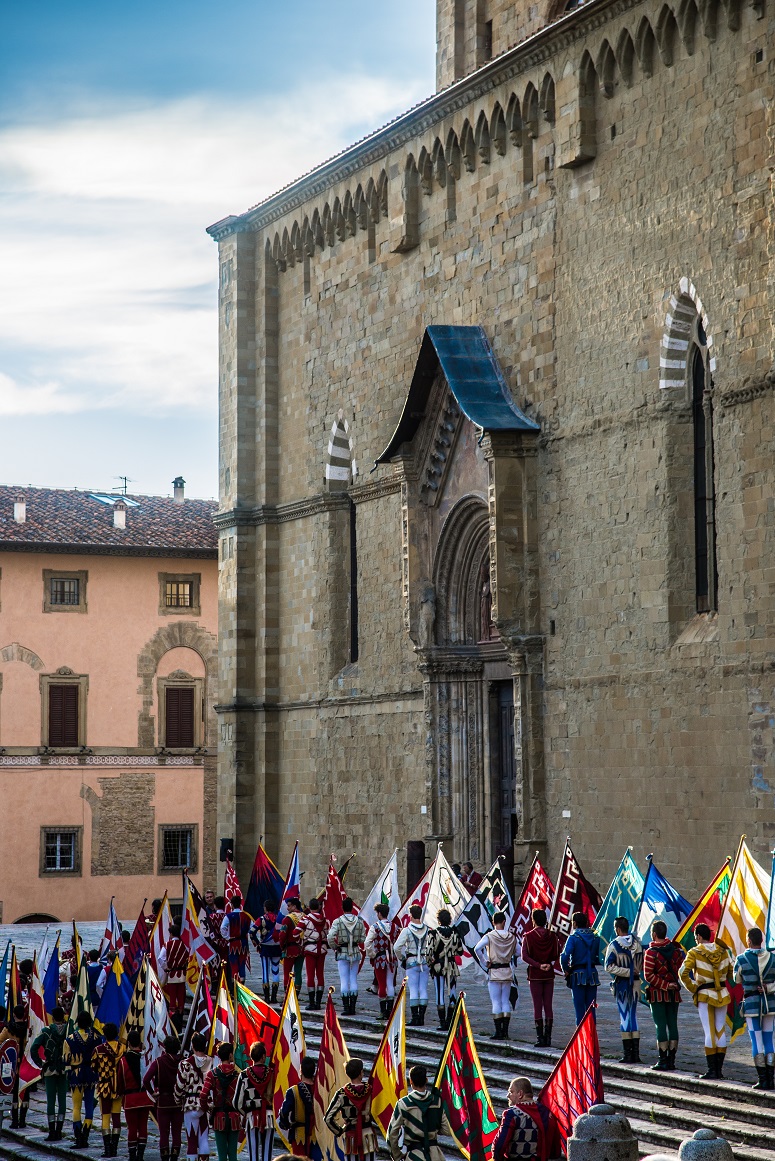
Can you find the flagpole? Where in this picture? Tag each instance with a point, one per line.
(650, 861)
(731, 883)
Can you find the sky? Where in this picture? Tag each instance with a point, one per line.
(125, 130)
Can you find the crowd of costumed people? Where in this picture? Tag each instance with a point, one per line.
(158, 1022)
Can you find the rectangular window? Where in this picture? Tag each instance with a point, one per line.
(179, 717)
(177, 848)
(65, 591)
(60, 850)
(63, 715)
(178, 594)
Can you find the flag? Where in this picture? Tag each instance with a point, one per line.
(472, 924)
(266, 882)
(388, 1074)
(463, 1090)
(43, 954)
(746, 902)
(222, 1031)
(439, 888)
(81, 999)
(418, 897)
(538, 891)
(288, 1052)
(333, 895)
(709, 908)
(14, 983)
(660, 901)
(231, 885)
(385, 890)
(200, 1014)
(77, 943)
(191, 933)
(4, 972)
(135, 1017)
(622, 898)
(112, 940)
(330, 1076)
(574, 893)
(292, 884)
(116, 997)
(576, 1082)
(138, 946)
(157, 1025)
(345, 868)
(160, 932)
(51, 980)
(493, 892)
(29, 1071)
(769, 932)
(255, 1020)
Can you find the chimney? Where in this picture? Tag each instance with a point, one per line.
(20, 510)
(179, 485)
(119, 514)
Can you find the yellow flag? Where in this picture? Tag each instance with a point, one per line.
(389, 1072)
(746, 902)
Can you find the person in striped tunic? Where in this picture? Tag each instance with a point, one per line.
(420, 1118)
(755, 970)
(704, 973)
(349, 1118)
(624, 961)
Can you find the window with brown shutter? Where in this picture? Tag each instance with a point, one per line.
(179, 717)
(63, 715)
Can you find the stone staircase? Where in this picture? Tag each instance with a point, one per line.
(663, 1108)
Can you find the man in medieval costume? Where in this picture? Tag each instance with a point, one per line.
(417, 1120)
(346, 936)
(704, 973)
(624, 962)
(499, 948)
(410, 948)
(348, 1115)
(755, 970)
(378, 949)
(528, 1129)
(444, 954)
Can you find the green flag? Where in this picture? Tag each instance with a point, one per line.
(463, 1090)
(623, 898)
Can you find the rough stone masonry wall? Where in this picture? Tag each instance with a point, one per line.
(570, 266)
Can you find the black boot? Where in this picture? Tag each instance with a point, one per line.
(626, 1057)
(318, 998)
(115, 1142)
(52, 1130)
(421, 1015)
(635, 1050)
(60, 1128)
(85, 1135)
(165, 1154)
(497, 1035)
(133, 1152)
(78, 1135)
(311, 1001)
(672, 1048)
(450, 1012)
(274, 996)
(662, 1064)
(540, 1033)
(761, 1072)
(106, 1145)
(141, 1150)
(710, 1074)
(353, 1002)
(770, 1076)
(174, 1154)
(23, 1116)
(505, 1021)
(15, 1117)
(548, 1033)
(442, 1011)
(720, 1063)
(266, 992)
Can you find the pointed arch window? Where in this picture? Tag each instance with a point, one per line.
(700, 382)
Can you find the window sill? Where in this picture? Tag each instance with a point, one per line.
(191, 611)
(60, 874)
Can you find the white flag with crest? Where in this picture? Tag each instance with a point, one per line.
(385, 890)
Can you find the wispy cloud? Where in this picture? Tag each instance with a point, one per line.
(110, 302)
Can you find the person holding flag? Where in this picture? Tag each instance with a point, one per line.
(500, 945)
(50, 1043)
(18, 1027)
(264, 936)
(348, 1116)
(192, 1071)
(704, 973)
(379, 951)
(755, 970)
(346, 937)
(159, 1081)
(234, 929)
(528, 1128)
(217, 1100)
(79, 1056)
(290, 936)
(253, 1099)
(579, 961)
(541, 952)
(137, 1104)
(661, 962)
(445, 949)
(106, 1059)
(296, 1113)
(173, 964)
(314, 927)
(624, 962)
(417, 1120)
(410, 949)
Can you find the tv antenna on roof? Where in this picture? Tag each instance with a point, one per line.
(123, 487)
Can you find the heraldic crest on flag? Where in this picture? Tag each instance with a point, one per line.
(288, 1053)
(389, 1072)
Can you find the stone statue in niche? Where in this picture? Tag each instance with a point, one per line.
(487, 630)
(427, 617)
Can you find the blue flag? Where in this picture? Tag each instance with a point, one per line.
(4, 972)
(660, 901)
(51, 981)
(769, 935)
(116, 998)
(292, 883)
(266, 882)
(623, 898)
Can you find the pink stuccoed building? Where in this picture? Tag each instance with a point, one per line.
(108, 654)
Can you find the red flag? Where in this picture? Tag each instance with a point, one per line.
(190, 932)
(577, 1080)
(333, 896)
(231, 885)
(138, 946)
(538, 891)
(574, 893)
(330, 1076)
(200, 1016)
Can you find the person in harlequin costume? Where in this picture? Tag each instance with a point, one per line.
(137, 1103)
(264, 935)
(106, 1059)
(217, 1100)
(290, 936)
(527, 1129)
(234, 929)
(624, 961)
(159, 1081)
(755, 970)
(661, 962)
(348, 1115)
(173, 964)
(9, 1066)
(410, 947)
(253, 1100)
(417, 1120)
(296, 1113)
(47, 1051)
(19, 1028)
(314, 928)
(79, 1056)
(704, 973)
(378, 949)
(192, 1071)
(445, 947)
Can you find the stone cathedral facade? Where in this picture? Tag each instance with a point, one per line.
(541, 303)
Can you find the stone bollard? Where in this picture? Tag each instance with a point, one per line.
(602, 1134)
(706, 1146)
